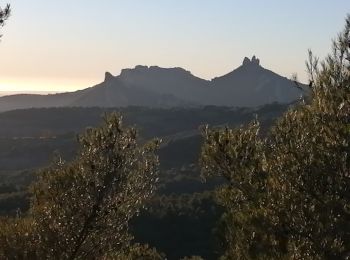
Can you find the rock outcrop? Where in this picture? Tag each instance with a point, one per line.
(253, 62)
(108, 76)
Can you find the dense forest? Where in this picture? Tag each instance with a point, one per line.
(270, 182)
(183, 212)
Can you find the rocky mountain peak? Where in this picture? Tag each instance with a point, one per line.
(251, 62)
(108, 76)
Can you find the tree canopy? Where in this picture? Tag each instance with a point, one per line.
(81, 209)
(288, 192)
(4, 15)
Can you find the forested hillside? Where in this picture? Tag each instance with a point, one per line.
(183, 213)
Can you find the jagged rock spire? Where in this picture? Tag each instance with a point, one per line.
(246, 61)
(108, 76)
(254, 61)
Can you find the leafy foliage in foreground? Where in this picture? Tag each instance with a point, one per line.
(4, 15)
(82, 209)
(288, 195)
(178, 214)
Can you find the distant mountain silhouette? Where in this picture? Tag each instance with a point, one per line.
(249, 85)
(252, 85)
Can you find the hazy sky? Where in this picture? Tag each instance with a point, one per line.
(65, 45)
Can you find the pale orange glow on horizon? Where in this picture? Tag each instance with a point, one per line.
(44, 84)
(48, 53)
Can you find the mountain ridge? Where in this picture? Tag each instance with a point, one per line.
(248, 85)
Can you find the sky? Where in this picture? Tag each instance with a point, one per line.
(64, 45)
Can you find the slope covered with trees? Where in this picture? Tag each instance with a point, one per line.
(183, 211)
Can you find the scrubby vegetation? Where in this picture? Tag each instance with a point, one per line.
(270, 189)
(81, 209)
(288, 193)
